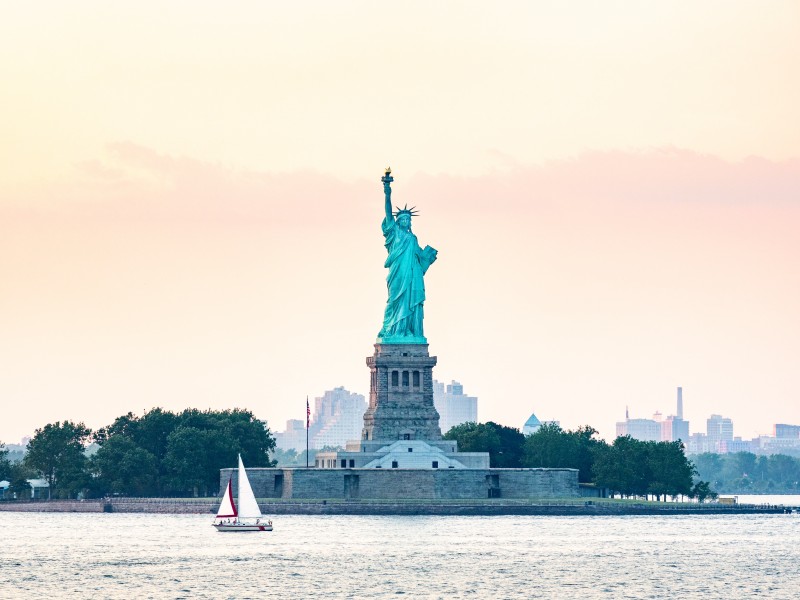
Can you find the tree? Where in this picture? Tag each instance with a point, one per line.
(122, 467)
(744, 463)
(708, 466)
(504, 444)
(208, 441)
(761, 471)
(149, 432)
(250, 436)
(784, 469)
(164, 453)
(19, 487)
(702, 491)
(286, 458)
(670, 471)
(744, 472)
(623, 467)
(738, 466)
(637, 468)
(473, 437)
(57, 453)
(5, 464)
(194, 458)
(552, 447)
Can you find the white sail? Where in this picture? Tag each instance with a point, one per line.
(248, 507)
(227, 508)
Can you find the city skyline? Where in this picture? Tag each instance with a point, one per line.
(717, 436)
(194, 221)
(338, 417)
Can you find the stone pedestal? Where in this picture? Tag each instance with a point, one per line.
(401, 425)
(401, 394)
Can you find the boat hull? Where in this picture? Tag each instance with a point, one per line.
(243, 527)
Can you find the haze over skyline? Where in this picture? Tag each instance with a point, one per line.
(190, 205)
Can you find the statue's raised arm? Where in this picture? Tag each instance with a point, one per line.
(387, 180)
(407, 264)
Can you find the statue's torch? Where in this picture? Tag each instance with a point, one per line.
(387, 176)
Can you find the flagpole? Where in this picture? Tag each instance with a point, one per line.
(308, 422)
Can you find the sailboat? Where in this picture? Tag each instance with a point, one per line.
(248, 516)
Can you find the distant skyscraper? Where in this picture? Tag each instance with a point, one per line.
(338, 418)
(531, 425)
(781, 430)
(737, 445)
(294, 437)
(646, 430)
(674, 428)
(776, 445)
(719, 429)
(699, 443)
(453, 406)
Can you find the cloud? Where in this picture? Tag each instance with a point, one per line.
(655, 176)
(588, 283)
(135, 182)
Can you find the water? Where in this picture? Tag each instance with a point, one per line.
(65, 555)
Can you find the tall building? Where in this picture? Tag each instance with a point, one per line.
(781, 430)
(736, 445)
(294, 437)
(338, 418)
(646, 430)
(674, 428)
(454, 407)
(531, 425)
(719, 429)
(776, 445)
(699, 443)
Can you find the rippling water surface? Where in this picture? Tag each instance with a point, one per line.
(181, 556)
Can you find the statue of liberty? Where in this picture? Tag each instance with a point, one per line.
(407, 264)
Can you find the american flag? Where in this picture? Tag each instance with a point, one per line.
(308, 414)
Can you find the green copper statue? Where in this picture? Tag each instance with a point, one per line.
(407, 264)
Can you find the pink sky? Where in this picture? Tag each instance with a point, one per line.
(190, 206)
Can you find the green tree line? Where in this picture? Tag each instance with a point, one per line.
(163, 453)
(628, 467)
(160, 453)
(746, 473)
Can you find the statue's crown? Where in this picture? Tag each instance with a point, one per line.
(411, 212)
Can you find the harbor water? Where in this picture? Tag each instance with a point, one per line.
(69, 555)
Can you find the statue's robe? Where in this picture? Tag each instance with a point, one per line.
(407, 263)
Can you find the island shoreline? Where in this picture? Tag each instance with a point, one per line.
(406, 508)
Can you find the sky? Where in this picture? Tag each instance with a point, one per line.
(190, 205)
